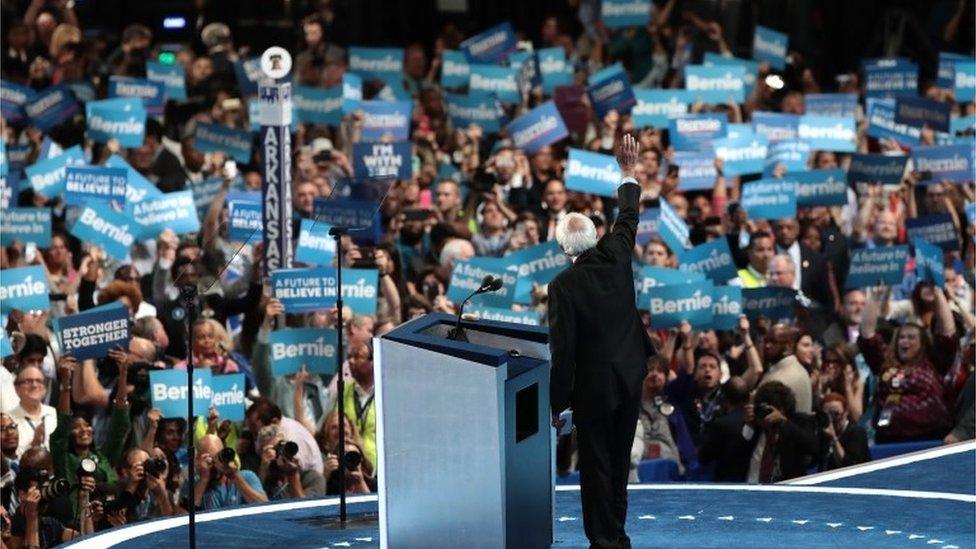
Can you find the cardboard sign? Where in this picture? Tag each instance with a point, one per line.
(771, 302)
(537, 128)
(696, 131)
(920, 111)
(769, 198)
(741, 156)
(123, 119)
(712, 259)
(455, 69)
(490, 46)
(152, 94)
(47, 177)
(386, 119)
(770, 46)
(246, 222)
(673, 304)
(593, 173)
(482, 110)
(228, 396)
(175, 211)
(935, 229)
(360, 290)
(86, 184)
(172, 77)
(726, 307)
(874, 266)
(656, 107)
(696, 170)
(467, 276)
(51, 107)
(843, 105)
(92, 334)
(314, 348)
(25, 225)
(383, 160)
(611, 94)
(876, 168)
(820, 187)
(828, 133)
(617, 14)
(305, 290)
(947, 163)
(110, 230)
(502, 82)
(217, 138)
(24, 289)
(315, 245)
(168, 392)
(718, 84)
(929, 264)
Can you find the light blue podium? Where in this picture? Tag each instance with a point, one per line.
(464, 441)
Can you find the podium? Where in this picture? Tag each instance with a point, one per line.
(464, 441)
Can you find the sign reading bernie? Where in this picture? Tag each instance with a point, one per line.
(92, 334)
(314, 348)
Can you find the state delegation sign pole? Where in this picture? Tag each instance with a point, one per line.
(276, 203)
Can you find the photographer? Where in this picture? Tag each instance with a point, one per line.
(358, 471)
(280, 472)
(219, 483)
(780, 438)
(844, 442)
(141, 489)
(32, 526)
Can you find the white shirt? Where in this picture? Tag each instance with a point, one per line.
(8, 393)
(26, 426)
(794, 252)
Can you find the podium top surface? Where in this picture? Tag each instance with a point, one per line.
(422, 332)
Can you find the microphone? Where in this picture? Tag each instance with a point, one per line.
(488, 284)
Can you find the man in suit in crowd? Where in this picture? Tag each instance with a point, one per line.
(599, 348)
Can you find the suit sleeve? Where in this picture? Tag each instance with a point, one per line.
(625, 227)
(562, 337)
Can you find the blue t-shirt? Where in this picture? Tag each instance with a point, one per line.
(226, 493)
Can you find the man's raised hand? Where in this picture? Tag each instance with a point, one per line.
(627, 155)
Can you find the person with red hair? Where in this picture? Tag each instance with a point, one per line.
(843, 442)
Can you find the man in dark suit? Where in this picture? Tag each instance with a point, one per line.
(811, 272)
(722, 441)
(783, 441)
(599, 348)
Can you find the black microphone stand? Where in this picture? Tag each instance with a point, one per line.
(457, 333)
(189, 295)
(336, 233)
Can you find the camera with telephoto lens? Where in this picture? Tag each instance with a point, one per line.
(154, 466)
(763, 410)
(226, 455)
(286, 449)
(352, 460)
(50, 487)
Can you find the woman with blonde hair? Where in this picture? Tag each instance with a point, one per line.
(211, 348)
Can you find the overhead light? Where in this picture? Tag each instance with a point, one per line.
(174, 22)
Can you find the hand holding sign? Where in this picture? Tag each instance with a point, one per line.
(66, 368)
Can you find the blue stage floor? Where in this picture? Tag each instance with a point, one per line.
(919, 500)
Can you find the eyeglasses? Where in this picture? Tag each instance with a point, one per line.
(29, 381)
(9, 427)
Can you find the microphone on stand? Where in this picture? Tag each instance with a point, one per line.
(488, 284)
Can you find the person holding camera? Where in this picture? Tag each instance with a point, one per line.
(781, 440)
(844, 441)
(356, 467)
(141, 489)
(280, 472)
(219, 482)
(32, 526)
(358, 400)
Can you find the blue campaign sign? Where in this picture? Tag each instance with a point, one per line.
(497, 80)
(647, 225)
(697, 131)
(246, 223)
(480, 109)
(716, 84)
(882, 124)
(84, 184)
(13, 98)
(770, 46)
(672, 228)
(112, 231)
(672, 304)
(83, 91)
(122, 118)
(877, 266)
(6, 349)
(17, 155)
(769, 198)
(25, 225)
(352, 92)
(820, 187)
(138, 188)
(742, 155)
(617, 14)
(230, 141)
(956, 125)
(936, 229)
(384, 64)
(554, 68)
(649, 277)
(205, 192)
(168, 392)
(51, 107)
(528, 317)
(964, 82)
(946, 73)
(606, 72)
(248, 73)
(467, 276)
(696, 170)
(726, 307)
(360, 214)
(876, 168)
(382, 160)
(228, 396)
(318, 105)
(172, 77)
(92, 334)
(9, 190)
(656, 107)
(153, 94)
(455, 69)
(305, 290)
(929, 264)
(24, 289)
(921, 111)
(537, 128)
(593, 173)
(776, 126)
(386, 118)
(771, 302)
(611, 94)
(713, 259)
(537, 264)
(175, 211)
(360, 289)
(891, 78)
(751, 67)
(313, 348)
(490, 46)
(828, 133)
(831, 104)
(47, 177)
(315, 245)
(947, 162)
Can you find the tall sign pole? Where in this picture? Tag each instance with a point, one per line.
(275, 116)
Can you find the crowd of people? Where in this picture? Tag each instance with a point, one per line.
(84, 449)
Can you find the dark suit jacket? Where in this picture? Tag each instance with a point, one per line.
(599, 345)
(798, 446)
(813, 277)
(723, 443)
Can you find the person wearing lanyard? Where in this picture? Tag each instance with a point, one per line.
(358, 402)
(35, 420)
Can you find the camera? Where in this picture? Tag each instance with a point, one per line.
(50, 487)
(763, 410)
(226, 455)
(154, 466)
(352, 460)
(482, 181)
(287, 449)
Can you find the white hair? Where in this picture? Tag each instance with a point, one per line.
(454, 250)
(575, 234)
